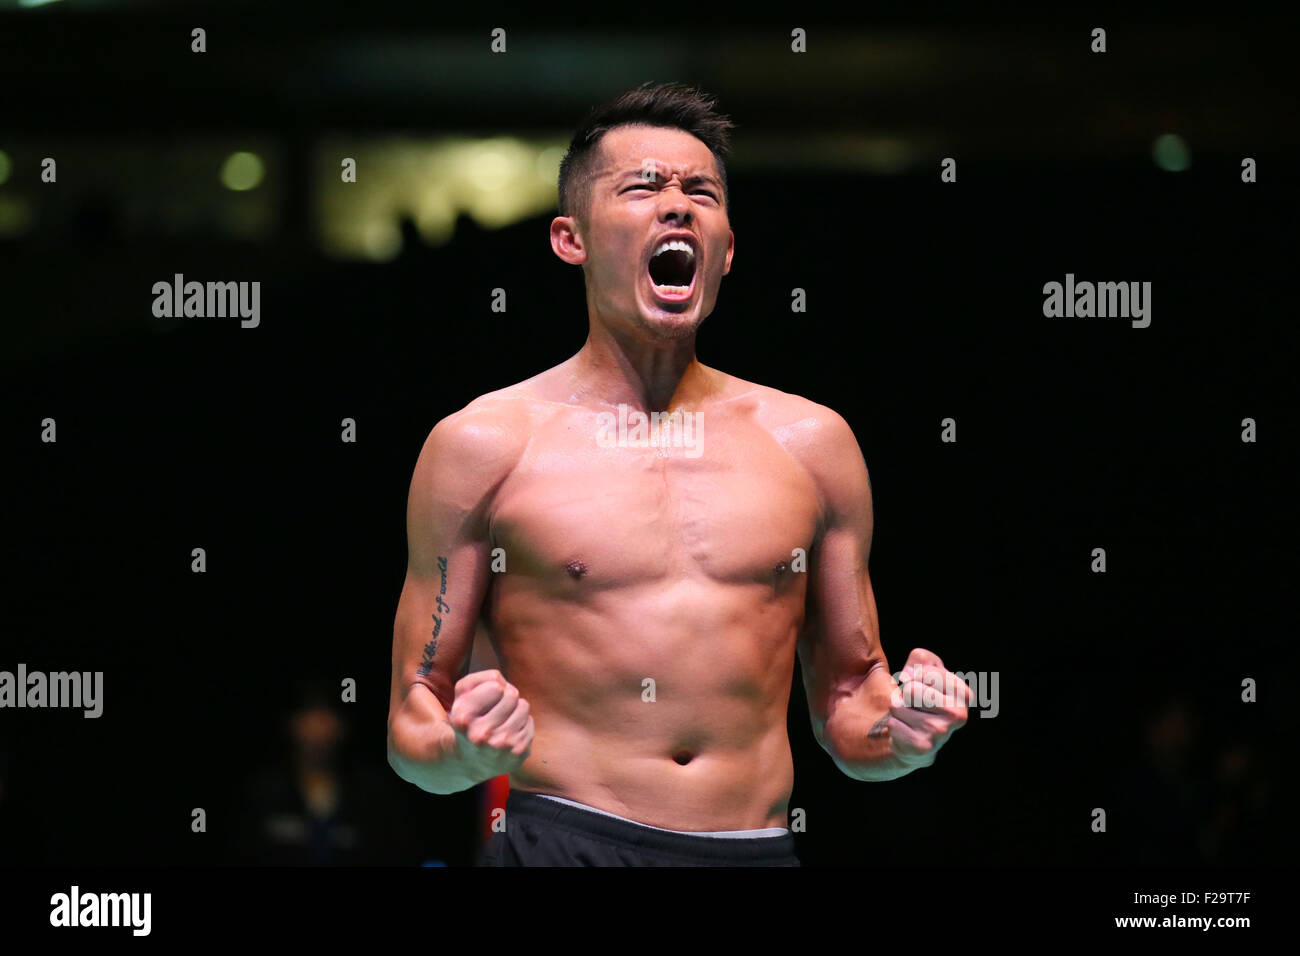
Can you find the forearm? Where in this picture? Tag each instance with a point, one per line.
(856, 734)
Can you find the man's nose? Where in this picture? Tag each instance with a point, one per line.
(673, 204)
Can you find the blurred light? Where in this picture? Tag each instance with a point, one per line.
(431, 183)
(435, 216)
(35, 3)
(548, 164)
(15, 216)
(241, 171)
(381, 239)
(488, 167)
(5, 166)
(494, 210)
(1170, 153)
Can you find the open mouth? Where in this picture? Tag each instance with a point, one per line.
(672, 270)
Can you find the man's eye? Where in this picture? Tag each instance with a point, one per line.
(697, 192)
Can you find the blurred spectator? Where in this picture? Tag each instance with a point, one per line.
(1235, 831)
(315, 805)
(1165, 790)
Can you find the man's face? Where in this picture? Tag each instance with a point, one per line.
(316, 731)
(652, 185)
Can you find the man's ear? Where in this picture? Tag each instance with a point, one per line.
(566, 240)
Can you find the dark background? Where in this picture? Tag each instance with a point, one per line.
(1118, 690)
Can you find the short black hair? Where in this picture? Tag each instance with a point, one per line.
(670, 105)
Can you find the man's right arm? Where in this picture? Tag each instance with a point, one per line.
(464, 459)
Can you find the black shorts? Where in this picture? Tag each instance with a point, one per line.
(542, 832)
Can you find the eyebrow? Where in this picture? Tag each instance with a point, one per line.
(697, 178)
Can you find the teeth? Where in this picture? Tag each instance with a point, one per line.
(677, 244)
(673, 289)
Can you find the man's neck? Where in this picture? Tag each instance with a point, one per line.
(614, 369)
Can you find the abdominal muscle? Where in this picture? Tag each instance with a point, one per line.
(684, 729)
(715, 789)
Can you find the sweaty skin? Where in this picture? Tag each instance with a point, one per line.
(629, 564)
(647, 603)
(684, 578)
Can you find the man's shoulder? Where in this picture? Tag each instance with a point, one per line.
(820, 440)
(496, 420)
(800, 424)
(474, 448)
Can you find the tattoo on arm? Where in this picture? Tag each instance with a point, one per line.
(430, 649)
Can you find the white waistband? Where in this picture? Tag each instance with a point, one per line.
(764, 832)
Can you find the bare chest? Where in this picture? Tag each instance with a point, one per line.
(735, 508)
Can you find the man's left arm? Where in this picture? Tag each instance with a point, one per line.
(872, 728)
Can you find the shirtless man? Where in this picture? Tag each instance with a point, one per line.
(646, 601)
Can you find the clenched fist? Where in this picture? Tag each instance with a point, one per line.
(927, 706)
(493, 728)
